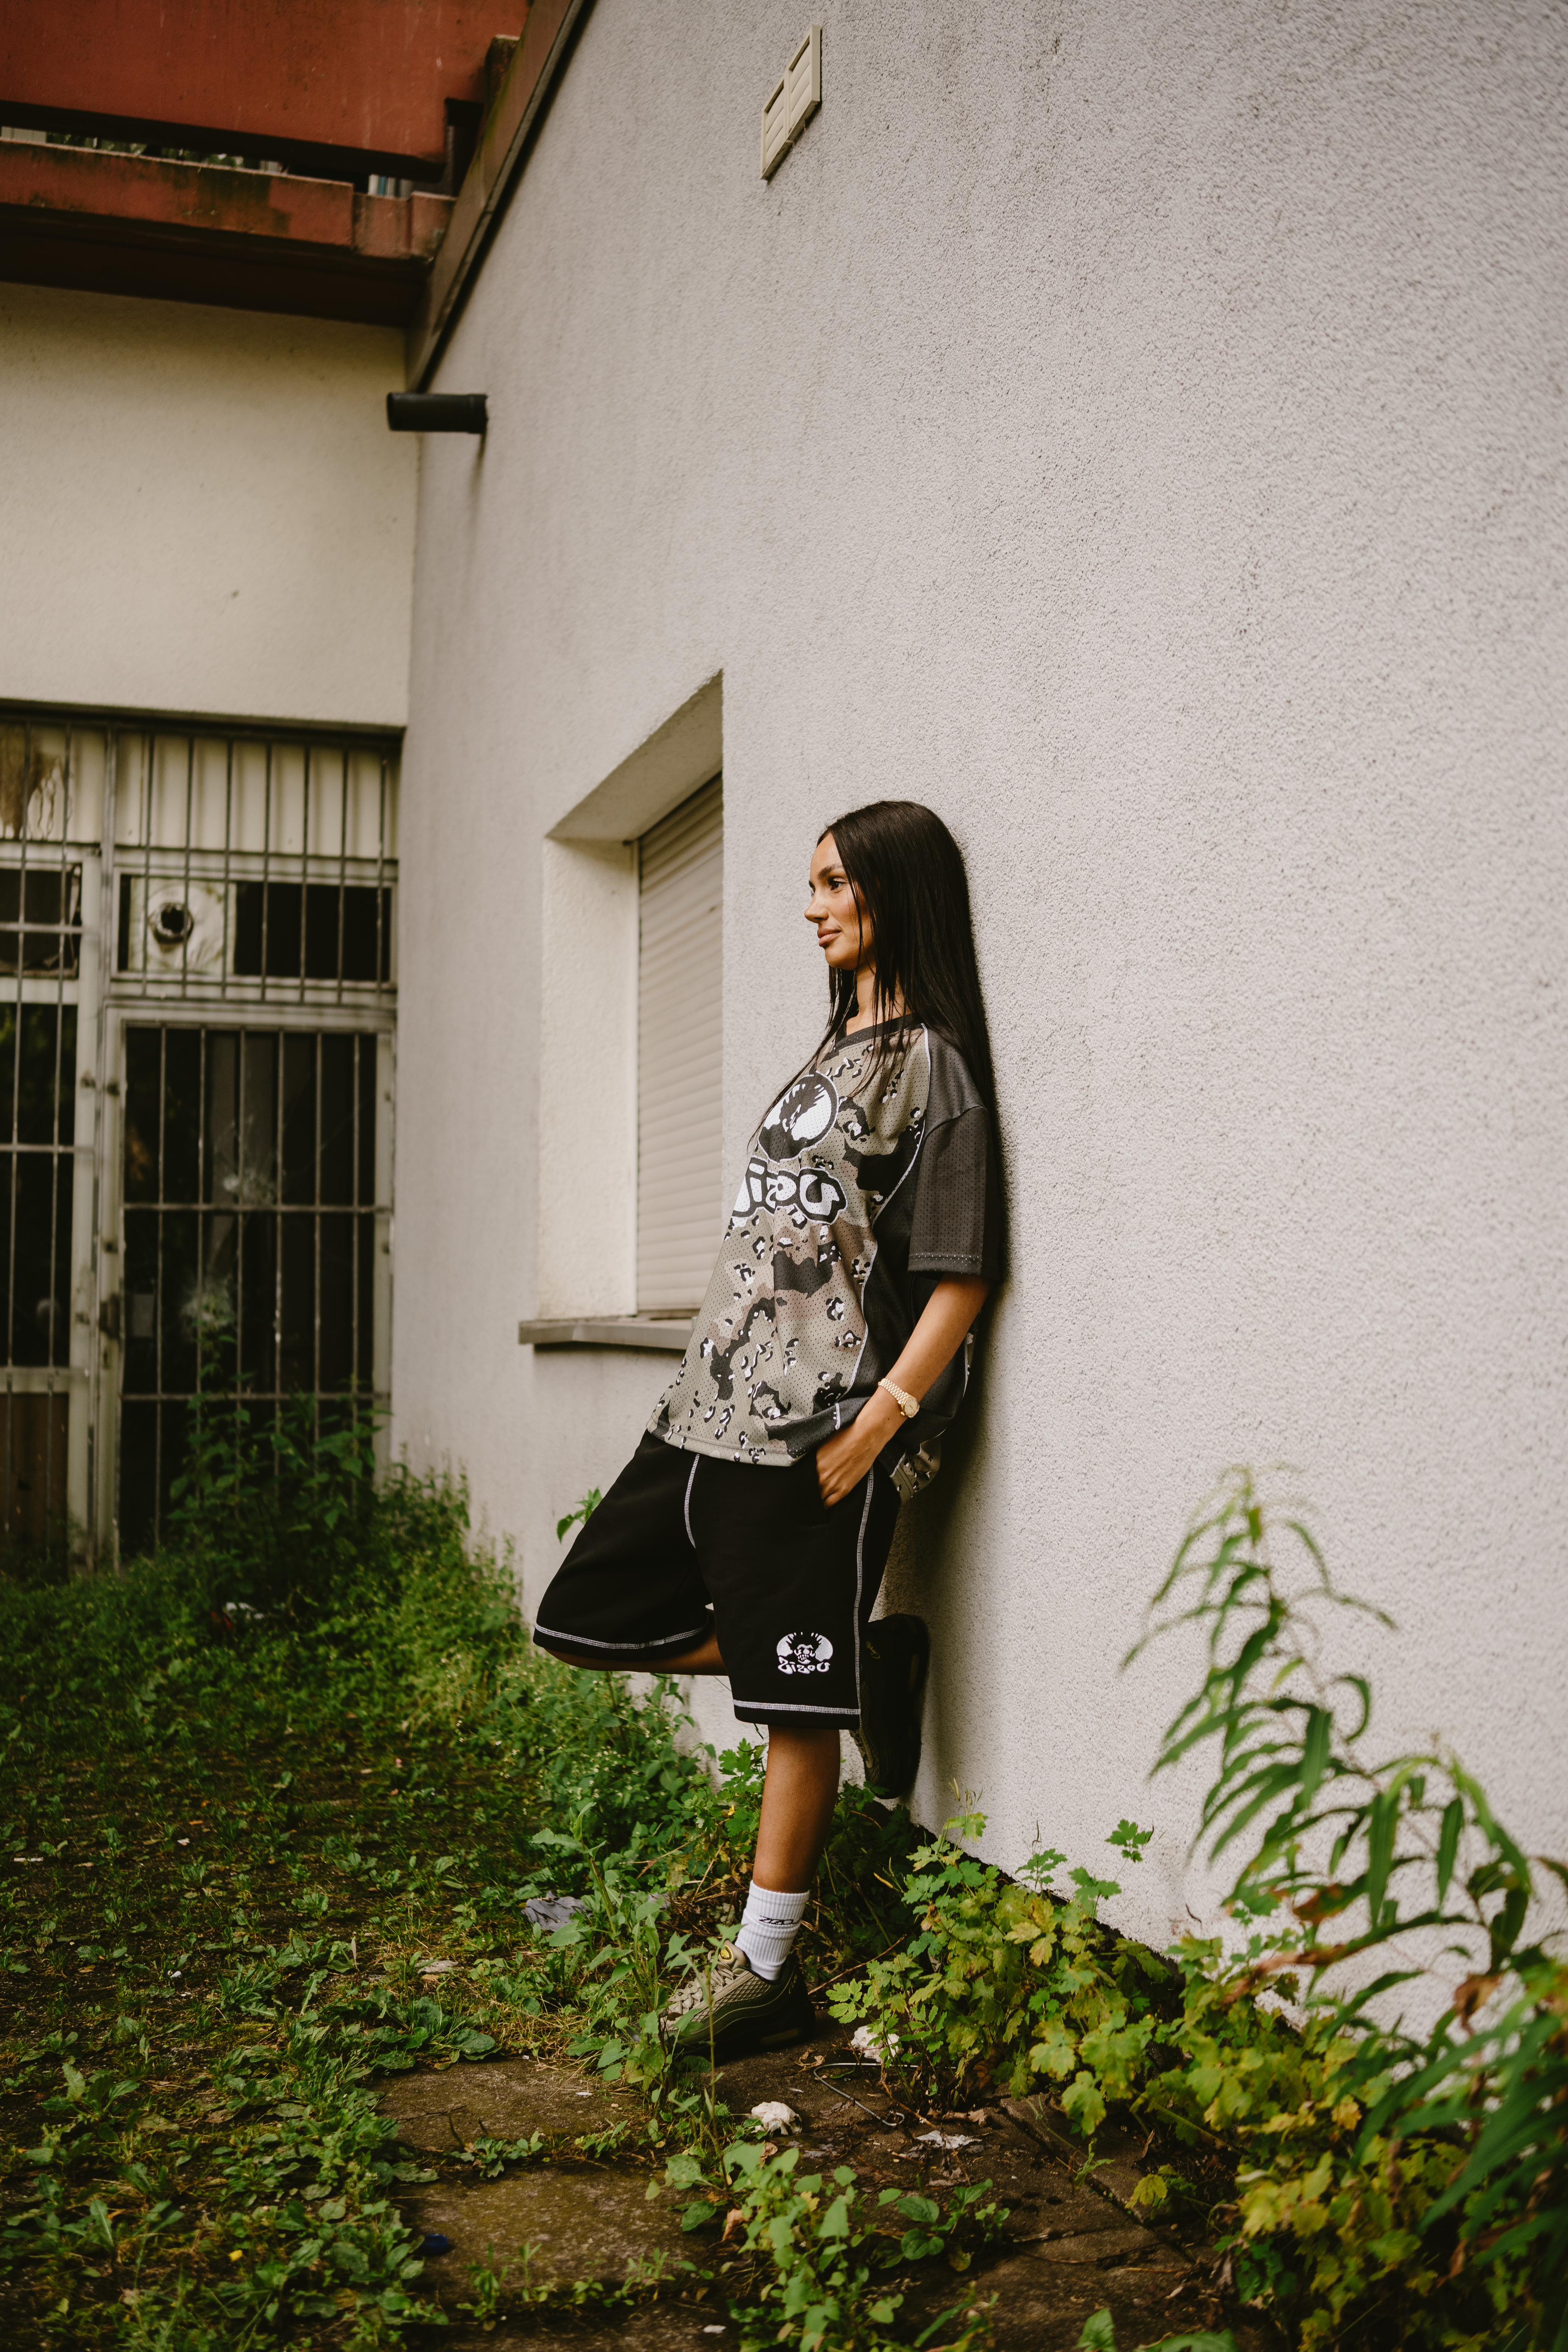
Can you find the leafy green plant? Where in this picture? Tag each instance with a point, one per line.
(1370, 2185)
(1007, 1983)
(491, 2157)
(1388, 1844)
(1463, 2148)
(1100, 2335)
(579, 1514)
(810, 2247)
(274, 1505)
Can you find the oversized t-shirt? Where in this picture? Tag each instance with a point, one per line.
(860, 1191)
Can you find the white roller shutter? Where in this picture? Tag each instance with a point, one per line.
(680, 1181)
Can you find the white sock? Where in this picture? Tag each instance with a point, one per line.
(768, 1927)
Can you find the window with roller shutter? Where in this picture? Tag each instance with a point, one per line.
(680, 1178)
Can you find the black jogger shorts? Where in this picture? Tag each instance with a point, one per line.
(684, 1546)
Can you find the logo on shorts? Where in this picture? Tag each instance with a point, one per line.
(804, 1653)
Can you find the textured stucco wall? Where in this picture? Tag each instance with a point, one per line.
(202, 509)
(1137, 431)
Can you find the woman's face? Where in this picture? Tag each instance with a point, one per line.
(843, 928)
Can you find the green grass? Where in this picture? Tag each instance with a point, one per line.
(227, 1843)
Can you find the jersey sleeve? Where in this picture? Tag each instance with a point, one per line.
(958, 1222)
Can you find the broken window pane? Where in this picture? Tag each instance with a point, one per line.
(40, 919)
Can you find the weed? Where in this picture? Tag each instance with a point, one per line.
(1100, 2335)
(811, 2256)
(502, 2295)
(1368, 2186)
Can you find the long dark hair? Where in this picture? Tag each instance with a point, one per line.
(907, 874)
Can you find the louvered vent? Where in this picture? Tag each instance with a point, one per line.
(680, 1179)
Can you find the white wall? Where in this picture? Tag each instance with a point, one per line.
(1137, 432)
(202, 511)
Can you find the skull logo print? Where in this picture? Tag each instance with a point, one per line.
(804, 1653)
(802, 1115)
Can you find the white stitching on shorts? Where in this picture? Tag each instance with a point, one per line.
(691, 1482)
(787, 1707)
(632, 1649)
(860, 1565)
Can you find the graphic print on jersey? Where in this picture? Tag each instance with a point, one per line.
(800, 1117)
(779, 1340)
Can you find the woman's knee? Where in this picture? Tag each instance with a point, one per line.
(801, 1744)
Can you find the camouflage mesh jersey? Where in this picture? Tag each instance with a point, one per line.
(857, 1199)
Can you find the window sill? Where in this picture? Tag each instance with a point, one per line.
(662, 1334)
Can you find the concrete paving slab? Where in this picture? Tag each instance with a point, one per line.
(507, 2099)
(1117, 2166)
(1121, 2244)
(583, 2221)
(1072, 2250)
(1042, 2309)
(659, 2328)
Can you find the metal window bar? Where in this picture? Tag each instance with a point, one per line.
(148, 829)
(383, 945)
(305, 904)
(12, 1478)
(316, 1239)
(40, 1142)
(54, 1321)
(361, 1044)
(159, 1319)
(94, 1453)
(343, 880)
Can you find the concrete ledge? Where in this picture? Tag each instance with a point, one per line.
(504, 140)
(661, 1333)
(206, 233)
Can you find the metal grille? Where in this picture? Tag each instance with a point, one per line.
(253, 870)
(250, 1228)
(197, 965)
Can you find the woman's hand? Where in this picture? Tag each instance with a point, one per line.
(844, 1460)
(948, 1314)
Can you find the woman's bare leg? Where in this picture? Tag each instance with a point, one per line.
(798, 1793)
(797, 1799)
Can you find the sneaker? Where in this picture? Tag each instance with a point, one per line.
(894, 1655)
(747, 2012)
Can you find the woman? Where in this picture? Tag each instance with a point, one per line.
(747, 1535)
